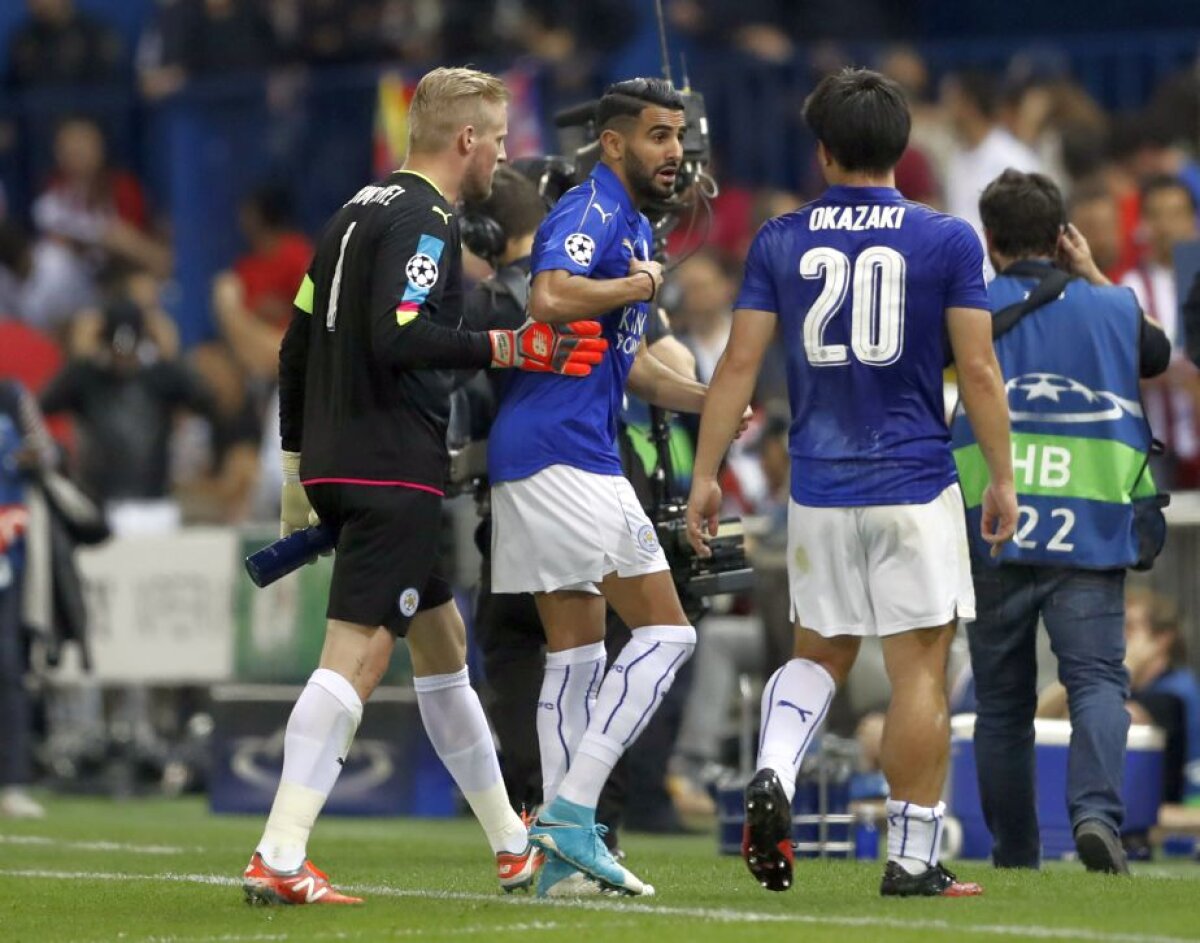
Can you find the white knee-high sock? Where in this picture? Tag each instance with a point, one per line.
(569, 690)
(794, 704)
(458, 730)
(630, 694)
(318, 737)
(914, 834)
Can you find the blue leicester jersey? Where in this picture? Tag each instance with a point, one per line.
(861, 280)
(545, 419)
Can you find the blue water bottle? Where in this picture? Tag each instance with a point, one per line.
(289, 553)
(866, 837)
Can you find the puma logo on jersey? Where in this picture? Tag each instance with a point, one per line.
(309, 886)
(445, 214)
(604, 217)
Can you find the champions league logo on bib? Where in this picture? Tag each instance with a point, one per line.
(1066, 400)
(648, 538)
(409, 600)
(580, 248)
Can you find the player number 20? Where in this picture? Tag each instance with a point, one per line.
(876, 305)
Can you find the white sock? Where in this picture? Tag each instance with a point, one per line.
(794, 704)
(569, 690)
(914, 834)
(318, 737)
(630, 694)
(458, 730)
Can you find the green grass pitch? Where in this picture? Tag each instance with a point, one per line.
(167, 871)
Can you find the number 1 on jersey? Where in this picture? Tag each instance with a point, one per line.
(336, 289)
(876, 305)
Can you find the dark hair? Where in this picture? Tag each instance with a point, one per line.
(979, 88)
(15, 247)
(630, 98)
(122, 318)
(1161, 182)
(862, 119)
(272, 203)
(1023, 213)
(1163, 617)
(1089, 191)
(515, 203)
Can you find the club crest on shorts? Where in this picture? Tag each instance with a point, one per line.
(422, 271)
(409, 600)
(648, 538)
(580, 248)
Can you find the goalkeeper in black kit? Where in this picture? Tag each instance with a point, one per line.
(365, 374)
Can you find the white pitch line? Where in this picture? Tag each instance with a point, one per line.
(535, 926)
(721, 915)
(44, 842)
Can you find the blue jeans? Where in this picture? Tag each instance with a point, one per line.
(1084, 613)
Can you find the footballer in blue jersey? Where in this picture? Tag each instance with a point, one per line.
(567, 525)
(864, 289)
(594, 231)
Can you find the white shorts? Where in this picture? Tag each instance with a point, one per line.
(564, 528)
(880, 570)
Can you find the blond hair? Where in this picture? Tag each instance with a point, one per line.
(445, 101)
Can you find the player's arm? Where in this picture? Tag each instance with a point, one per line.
(558, 296)
(666, 347)
(654, 381)
(406, 338)
(295, 512)
(293, 368)
(725, 407)
(980, 381)
(732, 386)
(981, 386)
(567, 248)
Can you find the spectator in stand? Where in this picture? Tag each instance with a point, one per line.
(60, 45)
(1169, 218)
(253, 301)
(931, 133)
(769, 30)
(96, 212)
(192, 38)
(1164, 691)
(1123, 174)
(985, 148)
(1094, 211)
(1161, 149)
(41, 283)
(704, 315)
(572, 35)
(219, 484)
(124, 397)
(329, 32)
(1045, 114)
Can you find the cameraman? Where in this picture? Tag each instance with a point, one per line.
(1072, 350)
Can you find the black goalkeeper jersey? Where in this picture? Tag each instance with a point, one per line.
(366, 366)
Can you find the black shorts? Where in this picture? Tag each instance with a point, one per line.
(387, 567)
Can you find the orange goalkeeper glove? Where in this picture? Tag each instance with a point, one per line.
(570, 349)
